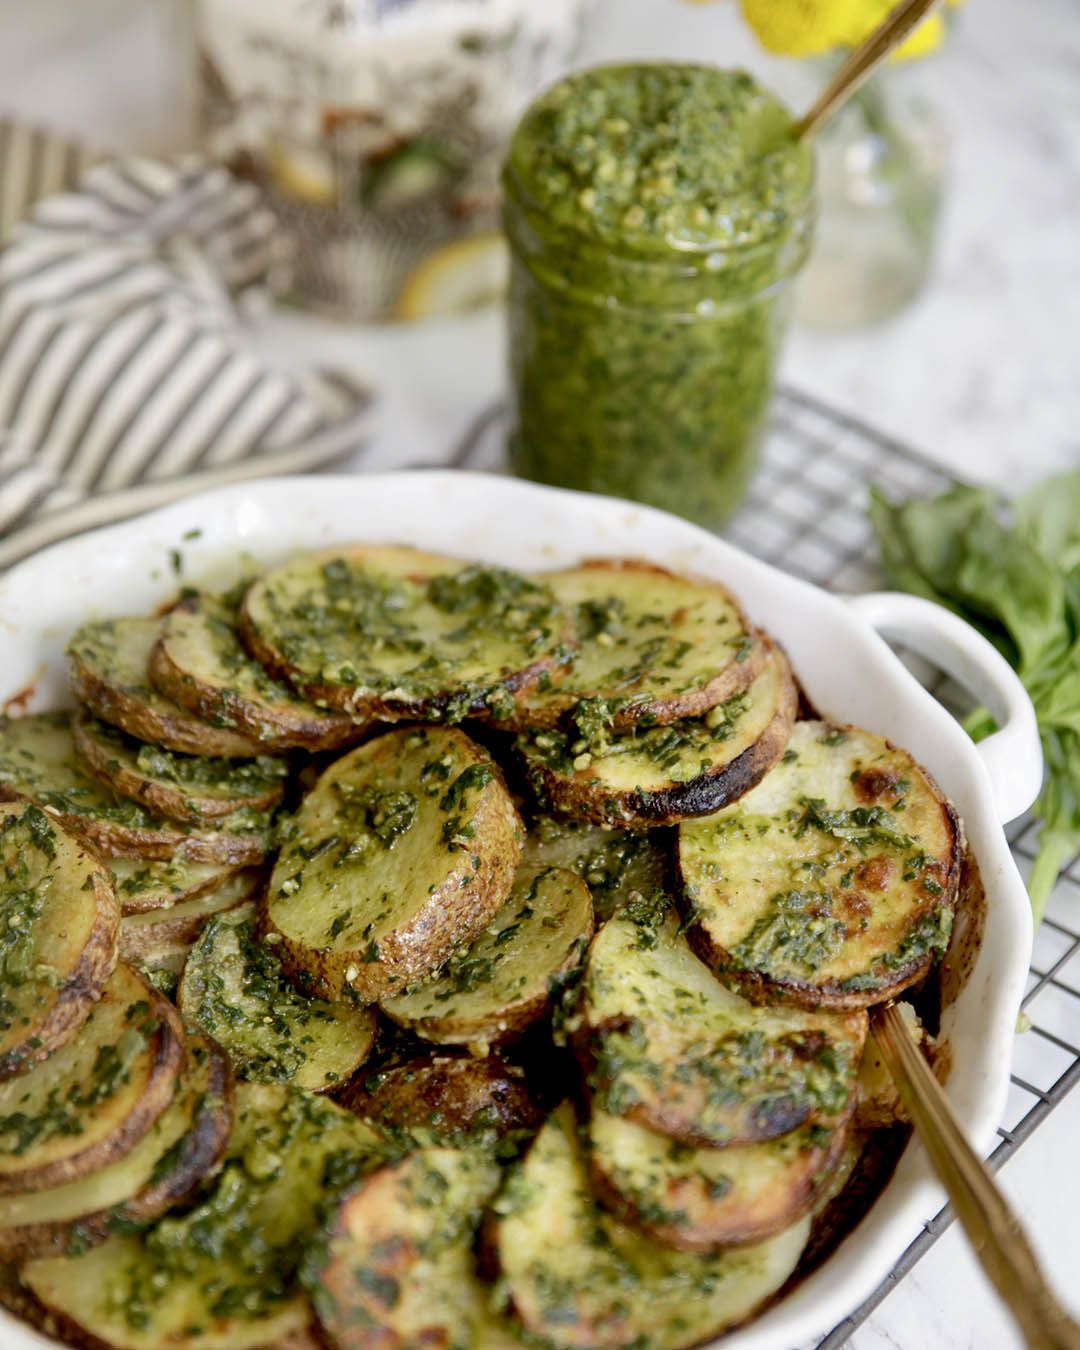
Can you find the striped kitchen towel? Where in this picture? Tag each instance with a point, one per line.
(124, 356)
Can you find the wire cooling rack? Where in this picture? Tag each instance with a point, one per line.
(806, 513)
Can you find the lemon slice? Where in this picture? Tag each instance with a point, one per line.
(464, 274)
(302, 173)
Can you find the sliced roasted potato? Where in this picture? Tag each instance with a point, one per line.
(493, 990)
(577, 1277)
(397, 633)
(652, 647)
(832, 884)
(233, 988)
(445, 1099)
(288, 1153)
(404, 849)
(199, 661)
(184, 1144)
(159, 937)
(142, 887)
(666, 1044)
(614, 864)
(188, 788)
(38, 761)
(658, 775)
(109, 661)
(699, 1199)
(96, 1096)
(878, 1102)
(394, 1264)
(58, 924)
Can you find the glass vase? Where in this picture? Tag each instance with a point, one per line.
(881, 168)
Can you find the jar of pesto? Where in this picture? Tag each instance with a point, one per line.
(657, 215)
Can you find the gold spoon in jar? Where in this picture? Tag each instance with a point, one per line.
(864, 58)
(991, 1226)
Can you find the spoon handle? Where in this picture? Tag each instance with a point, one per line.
(992, 1228)
(892, 30)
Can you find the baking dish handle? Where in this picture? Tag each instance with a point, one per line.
(1012, 754)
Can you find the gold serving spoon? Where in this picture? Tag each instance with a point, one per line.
(992, 1228)
(863, 59)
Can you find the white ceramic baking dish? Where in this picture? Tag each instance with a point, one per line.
(848, 670)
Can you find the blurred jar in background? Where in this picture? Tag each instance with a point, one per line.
(377, 128)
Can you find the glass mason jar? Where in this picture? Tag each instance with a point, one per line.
(645, 372)
(376, 128)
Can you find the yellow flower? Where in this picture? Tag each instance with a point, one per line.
(811, 27)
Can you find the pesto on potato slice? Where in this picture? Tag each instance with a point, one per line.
(394, 1263)
(575, 1276)
(96, 1096)
(614, 864)
(494, 989)
(701, 1199)
(164, 1167)
(58, 925)
(651, 646)
(192, 789)
(392, 631)
(405, 849)
(658, 775)
(833, 882)
(663, 1042)
(220, 1274)
(109, 660)
(199, 661)
(38, 761)
(233, 988)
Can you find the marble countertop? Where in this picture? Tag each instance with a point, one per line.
(980, 373)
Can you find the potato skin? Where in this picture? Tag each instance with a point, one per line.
(79, 992)
(454, 1094)
(639, 808)
(142, 941)
(168, 1051)
(180, 732)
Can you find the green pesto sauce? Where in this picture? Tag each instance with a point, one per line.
(238, 1246)
(653, 211)
(27, 846)
(449, 638)
(268, 1029)
(615, 864)
(195, 773)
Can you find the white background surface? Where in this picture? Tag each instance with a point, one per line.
(982, 373)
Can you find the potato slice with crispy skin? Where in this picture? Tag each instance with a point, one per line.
(652, 646)
(369, 629)
(58, 925)
(188, 788)
(289, 1152)
(493, 990)
(700, 1199)
(833, 883)
(658, 775)
(92, 1100)
(199, 661)
(38, 761)
(577, 1277)
(233, 988)
(394, 1264)
(404, 849)
(445, 1099)
(161, 936)
(663, 1042)
(184, 1144)
(109, 661)
(614, 864)
(142, 886)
